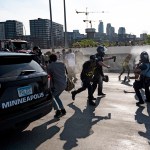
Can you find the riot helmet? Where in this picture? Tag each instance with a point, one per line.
(144, 57)
(101, 50)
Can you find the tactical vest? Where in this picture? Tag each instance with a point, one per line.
(146, 72)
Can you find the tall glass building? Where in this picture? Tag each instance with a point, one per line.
(40, 31)
(108, 29)
(13, 29)
(122, 30)
(101, 27)
(2, 30)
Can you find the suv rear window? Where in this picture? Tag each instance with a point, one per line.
(14, 68)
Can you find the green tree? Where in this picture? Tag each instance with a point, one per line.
(85, 43)
(147, 41)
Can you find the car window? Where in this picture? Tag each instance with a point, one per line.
(16, 69)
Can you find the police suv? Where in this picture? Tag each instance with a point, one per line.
(24, 92)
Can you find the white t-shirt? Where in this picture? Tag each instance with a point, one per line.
(70, 59)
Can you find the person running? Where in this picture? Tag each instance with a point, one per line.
(86, 78)
(125, 67)
(57, 71)
(70, 60)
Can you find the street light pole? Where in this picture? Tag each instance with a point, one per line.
(65, 23)
(24, 30)
(51, 23)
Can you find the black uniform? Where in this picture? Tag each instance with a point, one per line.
(98, 76)
(144, 82)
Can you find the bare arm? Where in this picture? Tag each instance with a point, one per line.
(103, 64)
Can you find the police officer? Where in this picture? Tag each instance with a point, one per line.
(144, 80)
(98, 73)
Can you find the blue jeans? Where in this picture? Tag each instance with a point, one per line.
(57, 103)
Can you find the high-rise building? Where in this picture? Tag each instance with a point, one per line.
(108, 29)
(13, 29)
(101, 27)
(112, 30)
(58, 34)
(2, 30)
(40, 31)
(122, 30)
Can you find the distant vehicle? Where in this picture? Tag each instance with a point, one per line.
(24, 91)
(16, 45)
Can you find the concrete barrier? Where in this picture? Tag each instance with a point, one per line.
(120, 51)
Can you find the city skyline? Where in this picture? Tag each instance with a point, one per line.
(129, 14)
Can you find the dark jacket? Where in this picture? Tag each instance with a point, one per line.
(87, 71)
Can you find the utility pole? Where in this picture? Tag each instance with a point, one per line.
(51, 24)
(65, 23)
(24, 30)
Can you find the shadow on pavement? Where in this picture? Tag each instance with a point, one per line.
(29, 140)
(79, 125)
(127, 83)
(144, 119)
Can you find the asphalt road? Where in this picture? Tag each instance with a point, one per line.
(116, 123)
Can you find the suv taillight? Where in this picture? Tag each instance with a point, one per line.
(49, 81)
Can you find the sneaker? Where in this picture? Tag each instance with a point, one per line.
(101, 94)
(92, 103)
(128, 78)
(58, 114)
(73, 95)
(63, 111)
(125, 78)
(93, 98)
(139, 103)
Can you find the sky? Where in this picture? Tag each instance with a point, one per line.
(131, 14)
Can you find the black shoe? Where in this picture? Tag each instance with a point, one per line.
(92, 103)
(93, 98)
(147, 101)
(125, 78)
(58, 114)
(140, 103)
(101, 94)
(63, 112)
(73, 95)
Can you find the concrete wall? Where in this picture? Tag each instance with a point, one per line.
(120, 51)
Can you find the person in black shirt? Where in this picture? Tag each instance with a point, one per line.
(86, 78)
(38, 57)
(98, 73)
